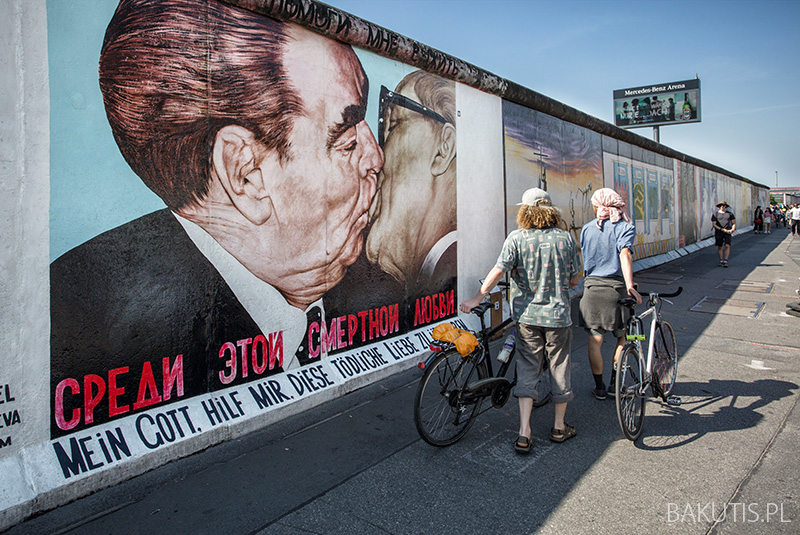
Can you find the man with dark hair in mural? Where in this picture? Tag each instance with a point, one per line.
(607, 248)
(724, 223)
(413, 217)
(252, 132)
(543, 261)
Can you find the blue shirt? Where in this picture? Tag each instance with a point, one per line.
(546, 260)
(601, 248)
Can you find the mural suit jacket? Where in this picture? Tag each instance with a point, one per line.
(139, 294)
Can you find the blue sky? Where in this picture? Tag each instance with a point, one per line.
(747, 55)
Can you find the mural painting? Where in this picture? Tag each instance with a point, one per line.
(652, 193)
(709, 197)
(652, 197)
(559, 157)
(410, 248)
(667, 200)
(621, 181)
(296, 234)
(689, 226)
(639, 197)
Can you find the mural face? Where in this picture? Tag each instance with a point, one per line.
(561, 158)
(410, 260)
(260, 139)
(415, 209)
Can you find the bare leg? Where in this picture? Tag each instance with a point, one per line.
(525, 409)
(618, 349)
(727, 251)
(719, 250)
(595, 355)
(561, 409)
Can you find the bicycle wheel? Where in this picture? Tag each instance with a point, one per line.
(665, 364)
(630, 397)
(443, 413)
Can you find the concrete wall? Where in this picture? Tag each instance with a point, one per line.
(151, 314)
(24, 183)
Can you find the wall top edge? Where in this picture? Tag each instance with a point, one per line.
(347, 28)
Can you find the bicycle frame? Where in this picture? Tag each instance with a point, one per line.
(637, 337)
(485, 343)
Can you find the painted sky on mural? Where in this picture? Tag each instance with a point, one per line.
(579, 52)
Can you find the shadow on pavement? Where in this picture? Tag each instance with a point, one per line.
(734, 404)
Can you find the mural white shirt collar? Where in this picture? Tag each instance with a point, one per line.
(436, 253)
(265, 304)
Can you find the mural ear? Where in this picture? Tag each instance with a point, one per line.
(235, 162)
(446, 150)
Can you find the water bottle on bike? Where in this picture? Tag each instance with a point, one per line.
(508, 347)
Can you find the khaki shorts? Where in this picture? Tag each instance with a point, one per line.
(534, 345)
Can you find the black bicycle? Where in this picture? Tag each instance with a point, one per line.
(453, 387)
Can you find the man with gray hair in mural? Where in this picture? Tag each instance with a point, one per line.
(253, 133)
(413, 217)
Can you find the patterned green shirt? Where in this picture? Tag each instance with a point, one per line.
(546, 260)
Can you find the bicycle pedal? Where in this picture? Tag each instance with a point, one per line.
(673, 401)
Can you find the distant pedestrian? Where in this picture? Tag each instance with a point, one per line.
(758, 220)
(543, 262)
(724, 223)
(607, 248)
(794, 213)
(768, 220)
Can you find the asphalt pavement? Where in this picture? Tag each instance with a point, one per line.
(724, 461)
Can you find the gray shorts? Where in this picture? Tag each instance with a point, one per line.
(534, 344)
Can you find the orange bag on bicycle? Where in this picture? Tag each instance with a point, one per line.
(466, 343)
(445, 332)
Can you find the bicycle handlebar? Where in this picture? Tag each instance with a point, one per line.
(481, 309)
(630, 301)
(673, 294)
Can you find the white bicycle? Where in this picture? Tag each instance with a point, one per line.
(635, 373)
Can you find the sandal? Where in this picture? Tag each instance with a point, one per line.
(522, 444)
(560, 435)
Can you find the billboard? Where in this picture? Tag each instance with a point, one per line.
(658, 104)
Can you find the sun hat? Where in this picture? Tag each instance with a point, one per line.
(534, 196)
(722, 203)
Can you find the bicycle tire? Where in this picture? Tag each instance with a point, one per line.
(442, 415)
(665, 364)
(630, 402)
